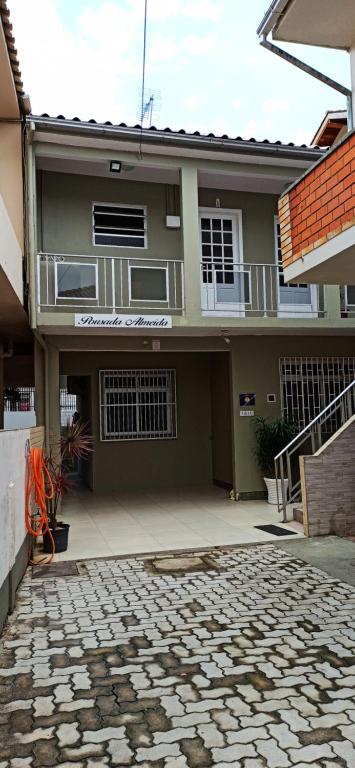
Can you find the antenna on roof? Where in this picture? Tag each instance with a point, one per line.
(149, 108)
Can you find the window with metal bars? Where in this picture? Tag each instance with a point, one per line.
(138, 404)
(309, 384)
(119, 225)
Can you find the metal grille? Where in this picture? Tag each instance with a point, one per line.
(68, 406)
(138, 404)
(19, 399)
(309, 384)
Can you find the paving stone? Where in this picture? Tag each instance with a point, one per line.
(120, 752)
(210, 735)
(274, 756)
(247, 735)
(158, 752)
(103, 734)
(67, 734)
(248, 666)
(233, 753)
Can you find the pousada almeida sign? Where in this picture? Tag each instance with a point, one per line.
(128, 322)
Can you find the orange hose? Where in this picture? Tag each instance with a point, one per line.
(36, 495)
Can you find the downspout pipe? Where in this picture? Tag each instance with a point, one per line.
(314, 73)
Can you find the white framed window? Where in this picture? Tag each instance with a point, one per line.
(123, 226)
(148, 283)
(295, 299)
(75, 281)
(138, 404)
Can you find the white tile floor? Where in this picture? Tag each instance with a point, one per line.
(134, 522)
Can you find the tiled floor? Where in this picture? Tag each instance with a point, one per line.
(134, 522)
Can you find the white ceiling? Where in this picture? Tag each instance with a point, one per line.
(327, 23)
(258, 180)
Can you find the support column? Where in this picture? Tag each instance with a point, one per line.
(53, 426)
(39, 370)
(332, 302)
(191, 243)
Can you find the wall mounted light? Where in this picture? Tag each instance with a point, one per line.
(115, 166)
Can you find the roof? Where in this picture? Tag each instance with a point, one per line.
(272, 16)
(11, 48)
(169, 136)
(331, 128)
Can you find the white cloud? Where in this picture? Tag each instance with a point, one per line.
(276, 105)
(238, 103)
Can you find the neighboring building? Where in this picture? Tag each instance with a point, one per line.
(16, 352)
(158, 288)
(333, 128)
(317, 213)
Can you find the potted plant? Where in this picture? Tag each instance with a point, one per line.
(271, 438)
(75, 443)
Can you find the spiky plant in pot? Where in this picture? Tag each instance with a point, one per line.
(75, 443)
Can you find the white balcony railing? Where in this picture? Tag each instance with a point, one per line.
(72, 282)
(242, 289)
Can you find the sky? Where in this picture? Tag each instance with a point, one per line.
(203, 61)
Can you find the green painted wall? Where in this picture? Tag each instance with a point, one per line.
(65, 215)
(258, 211)
(255, 368)
(186, 460)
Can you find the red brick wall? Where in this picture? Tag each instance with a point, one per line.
(321, 205)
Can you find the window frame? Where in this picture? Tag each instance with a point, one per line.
(288, 310)
(133, 301)
(138, 435)
(75, 299)
(120, 205)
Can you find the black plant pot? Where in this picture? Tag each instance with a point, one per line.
(60, 538)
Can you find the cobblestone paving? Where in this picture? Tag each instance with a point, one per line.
(251, 664)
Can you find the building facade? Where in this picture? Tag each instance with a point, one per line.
(16, 353)
(317, 213)
(158, 292)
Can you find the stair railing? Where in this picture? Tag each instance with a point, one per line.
(310, 439)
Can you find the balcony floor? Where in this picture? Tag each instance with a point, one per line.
(164, 520)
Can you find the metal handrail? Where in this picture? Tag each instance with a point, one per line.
(345, 402)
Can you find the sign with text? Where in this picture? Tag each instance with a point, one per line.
(126, 322)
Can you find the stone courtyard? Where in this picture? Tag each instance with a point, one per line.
(241, 657)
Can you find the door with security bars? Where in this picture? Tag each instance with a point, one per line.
(224, 285)
(309, 384)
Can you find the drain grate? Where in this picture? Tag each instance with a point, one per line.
(55, 570)
(276, 530)
(180, 564)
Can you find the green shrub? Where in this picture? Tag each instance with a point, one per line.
(271, 438)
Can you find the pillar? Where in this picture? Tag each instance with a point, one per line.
(191, 242)
(332, 302)
(39, 371)
(53, 426)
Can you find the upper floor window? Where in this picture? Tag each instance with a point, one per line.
(120, 225)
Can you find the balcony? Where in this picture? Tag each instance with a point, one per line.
(255, 290)
(71, 283)
(317, 220)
